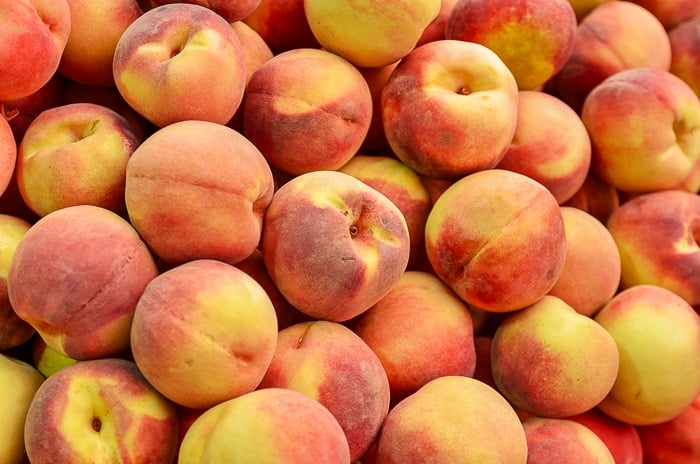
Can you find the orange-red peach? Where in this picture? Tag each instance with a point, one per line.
(282, 24)
(562, 441)
(622, 439)
(671, 12)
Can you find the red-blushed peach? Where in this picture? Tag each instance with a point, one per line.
(96, 27)
(47, 360)
(676, 441)
(549, 343)
(75, 154)
(255, 50)
(433, 108)
(266, 426)
(620, 115)
(420, 331)
(497, 238)
(592, 269)
(685, 52)
(197, 189)
(34, 35)
(331, 364)
(19, 382)
(622, 439)
(101, 410)
(301, 92)
(333, 245)
(370, 33)
(615, 35)
(562, 441)
(76, 277)
(533, 38)
(8, 152)
(403, 187)
(180, 62)
(14, 331)
(550, 144)
(671, 12)
(203, 332)
(22, 111)
(452, 419)
(282, 24)
(230, 10)
(597, 198)
(658, 337)
(657, 237)
(436, 29)
(375, 141)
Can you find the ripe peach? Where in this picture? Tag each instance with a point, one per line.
(562, 441)
(282, 24)
(622, 439)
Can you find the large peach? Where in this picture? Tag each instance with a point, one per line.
(562, 441)
(497, 238)
(333, 245)
(197, 189)
(203, 332)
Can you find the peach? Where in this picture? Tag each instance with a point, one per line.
(370, 33)
(685, 52)
(656, 235)
(658, 337)
(562, 441)
(76, 277)
(497, 238)
(197, 189)
(8, 152)
(230, 10)
(75, 154)
(375, 141)
(100, 410)
(266, 426)
(452, 419)
(597, 198)
(434, 103)
(34, 35)
(333, 245)
(255, 50)
(282, 24)
(331, 364)
(533, 38)
(305, 91)
(671, 12)
(96, 27)
(622, 439)
(420, 331)
(180, 62)
(622, 112)
(549, 343)
(550, 145)
(592, 269)
(583, 7)
(203, 332)
(615, 35)
(403, 187)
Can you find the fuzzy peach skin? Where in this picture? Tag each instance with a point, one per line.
(197, 189)
(622, 112)
(452, 419)
(497, 238)
(420, 331)
(533, 38)
(597, 198)
(34, 35)
(302, 92)
(19, 382)
(76, 277)
(230, 10)
(685, 52)
(266, 426)
(403, 187)
(8, 152)
(551, 361)
(562, 441)
(282, 24)
(75, 154)
(622, 439)
(658, 337)
(657, 237)
(96, 27)
(179, 62)
(592, 269)
(331, 364)
(550, 144)
(433, 108)
(370, 33)
(101, 410)
(203, 332)
(333, 245)
(616, 35)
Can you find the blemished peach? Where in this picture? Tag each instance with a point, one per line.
(282, 24)
(562, 441)
(76, 277)
(497, 238)
(305, 91)
(197, 189)
(622, 439)
(685, 52)
(203, 332)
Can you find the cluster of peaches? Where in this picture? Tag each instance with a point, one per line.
(350, 232)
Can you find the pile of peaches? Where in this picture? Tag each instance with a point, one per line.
(350, 232)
